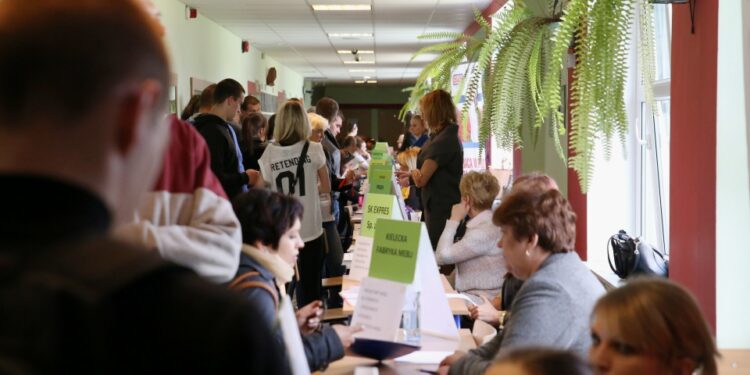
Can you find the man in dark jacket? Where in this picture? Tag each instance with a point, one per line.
(222, 141)
(73, 300)
(329, 109)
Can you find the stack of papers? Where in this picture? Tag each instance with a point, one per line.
(350, 295)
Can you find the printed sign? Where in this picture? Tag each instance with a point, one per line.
(378, 309)
(378, 206)
(394, 250)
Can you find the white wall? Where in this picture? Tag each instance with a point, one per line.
(202, 49)
(732, 198)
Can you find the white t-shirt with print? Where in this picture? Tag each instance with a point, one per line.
(278, 165)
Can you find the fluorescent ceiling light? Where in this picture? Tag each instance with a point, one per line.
(360, 62)
(350, 35)
(361, 70)
(340, 7)
(361, 52)
(365, 81)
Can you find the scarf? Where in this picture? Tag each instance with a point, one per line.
(282, 272)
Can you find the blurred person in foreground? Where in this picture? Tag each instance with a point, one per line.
(651, 326)
(75, 300)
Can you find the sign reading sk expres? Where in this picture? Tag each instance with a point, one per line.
(377, 206)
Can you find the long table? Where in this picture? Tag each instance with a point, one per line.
(349, 363)
(457, 306)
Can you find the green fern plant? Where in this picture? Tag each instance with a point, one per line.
(519, 64)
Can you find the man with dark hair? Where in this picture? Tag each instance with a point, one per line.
(250, 105)
(74, 300)
(329, 109)
(223, 141)
(205, 103)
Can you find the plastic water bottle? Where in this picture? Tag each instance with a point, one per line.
(410, 319)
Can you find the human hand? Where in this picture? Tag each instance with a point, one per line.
(403, 178)
(346, 333)
(459, 210)
(443, 370)
(448, 361)
(308, 317)
(485, 312)
(253, 177)
(350, 175)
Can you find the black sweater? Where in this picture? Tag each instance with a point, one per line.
(224, 161)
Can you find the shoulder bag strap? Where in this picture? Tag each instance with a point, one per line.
(300, 167)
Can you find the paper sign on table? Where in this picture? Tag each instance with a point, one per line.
(394, 250)
(378, 310)
(402, 252)
(361, 258)
(378, 206)
(379, 177)
(435, 317)
(292, 339)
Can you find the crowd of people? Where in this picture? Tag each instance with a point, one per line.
(133, 242)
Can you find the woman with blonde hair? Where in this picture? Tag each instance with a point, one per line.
(440, 163)
(650, 326)
(295, 166)
(318, 126)
(480, 266)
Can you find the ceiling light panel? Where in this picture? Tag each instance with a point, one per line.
(359, 62)
(359, 52)
(341, 7)
(350, 35)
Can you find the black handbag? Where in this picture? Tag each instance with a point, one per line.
(631, 256)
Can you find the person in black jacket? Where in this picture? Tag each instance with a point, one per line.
(270, 232)
(74, 300)
(223, 142)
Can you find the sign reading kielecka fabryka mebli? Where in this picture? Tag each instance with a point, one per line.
(394, 250)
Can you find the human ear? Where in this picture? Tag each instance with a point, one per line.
(137, 108)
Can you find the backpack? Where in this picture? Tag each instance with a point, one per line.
(50, 319)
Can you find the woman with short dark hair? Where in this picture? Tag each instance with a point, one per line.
(254, 139)
(552, 307)
(271, 225)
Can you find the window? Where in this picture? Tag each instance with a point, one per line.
(630, 186)
(652, 196)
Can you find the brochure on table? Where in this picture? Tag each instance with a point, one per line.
(376, 206)
(402, 253)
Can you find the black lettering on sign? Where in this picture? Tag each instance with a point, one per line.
(395, 237)
(381, 210)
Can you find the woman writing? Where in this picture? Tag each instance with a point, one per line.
(552, 307)
(271, 225)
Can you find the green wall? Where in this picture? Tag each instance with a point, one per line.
(203, 49)
(543, 157)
